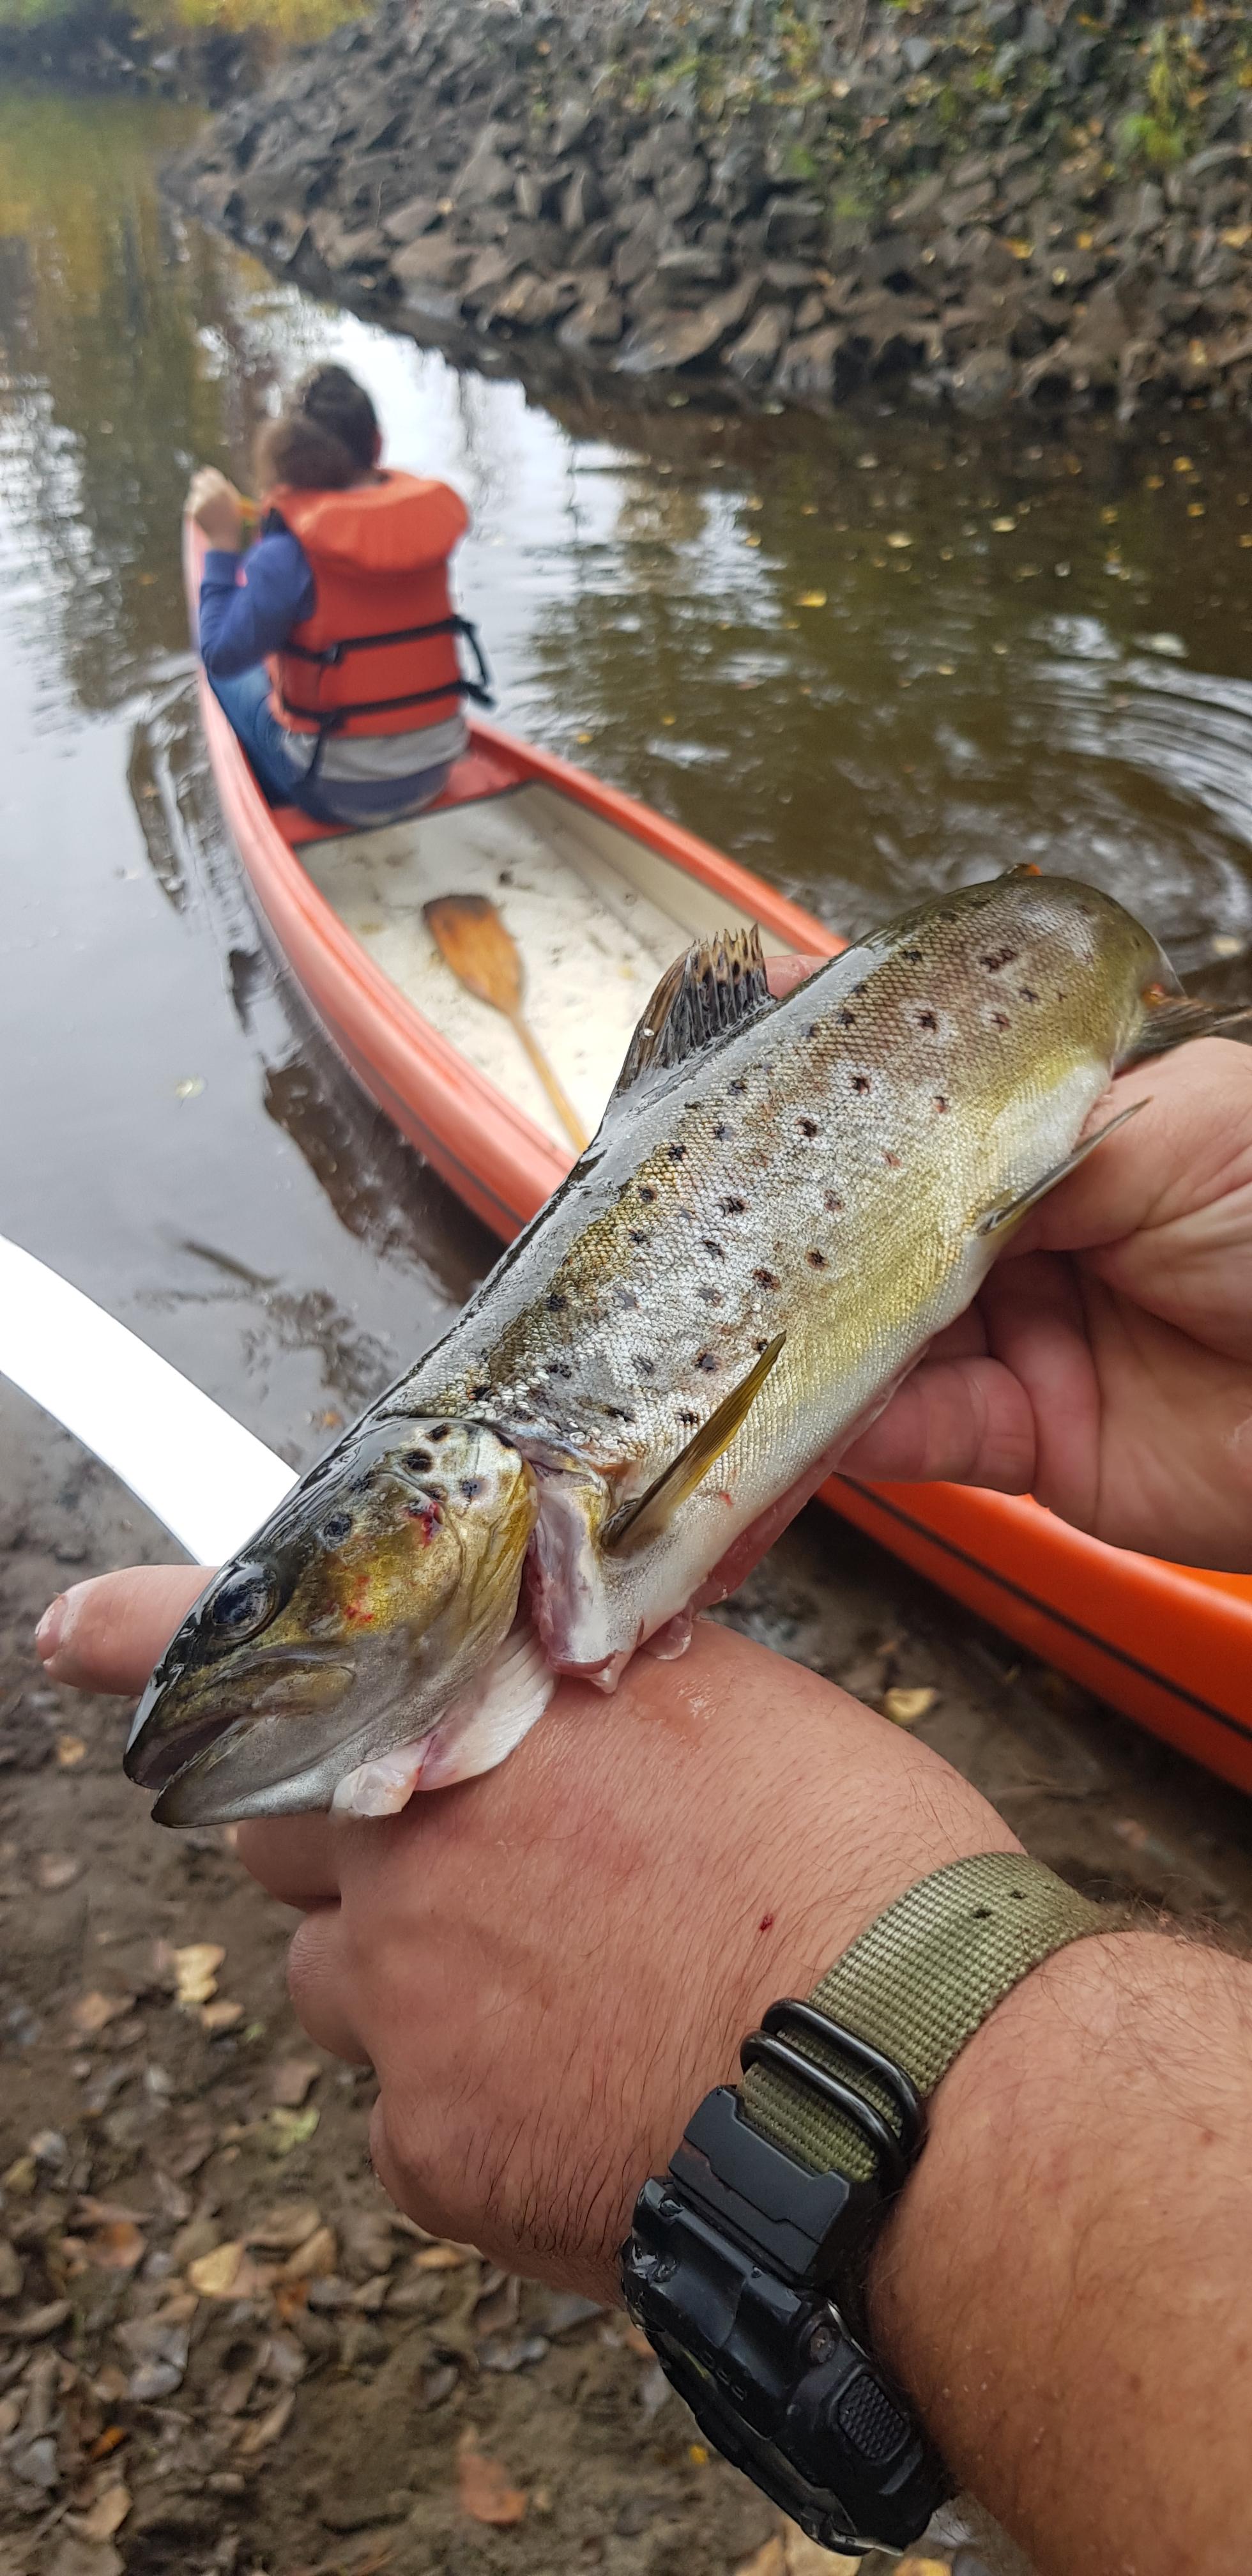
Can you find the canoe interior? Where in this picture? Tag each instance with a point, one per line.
(597, 916)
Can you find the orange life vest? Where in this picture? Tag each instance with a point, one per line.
(379, 653)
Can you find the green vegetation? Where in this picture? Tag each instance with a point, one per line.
(1163, 132)
(281, 22)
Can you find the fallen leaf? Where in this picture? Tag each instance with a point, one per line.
(766, 2561)
(94, 2012)
(697, 2455)
(268, 2428)
(636, 2341)
(292, 2080)
(110, 2440)
(483, 2489)
(904, 1707)
(219, 2017)
(921, 2567)
(288, 2129)
(105, 2516)
(280, 2230)
(438, 2258)
(70, 1751)
(56, 1869)
(116, 2247)
(21, 2177)
(315, 2260)
(214, 2275)
(811, 599)
(195, 1969)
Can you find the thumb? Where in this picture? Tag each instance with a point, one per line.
(107, 1635)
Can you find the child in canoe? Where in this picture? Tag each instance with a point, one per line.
(332, 643)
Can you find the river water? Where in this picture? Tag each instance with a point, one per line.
(867, 656)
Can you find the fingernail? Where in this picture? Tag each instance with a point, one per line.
(49, 1631)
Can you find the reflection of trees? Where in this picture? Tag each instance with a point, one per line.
(119, 342)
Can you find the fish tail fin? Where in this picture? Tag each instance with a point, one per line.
(1174, 1018)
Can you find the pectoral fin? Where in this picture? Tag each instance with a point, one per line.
(1006, 1212)
(643, 1519)
(1173, 1018)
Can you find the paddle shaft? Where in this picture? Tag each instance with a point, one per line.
(483, 955)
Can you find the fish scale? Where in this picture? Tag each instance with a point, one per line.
(785, 1202)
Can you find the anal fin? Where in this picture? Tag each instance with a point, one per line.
(642, 1519)
(1006, 1212)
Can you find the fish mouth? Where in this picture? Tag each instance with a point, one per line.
(271, 1678)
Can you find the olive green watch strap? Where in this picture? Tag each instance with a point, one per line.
(916, 1984)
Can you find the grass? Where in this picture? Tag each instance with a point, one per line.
(287, 22)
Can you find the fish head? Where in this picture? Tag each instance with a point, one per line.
(348, 1625)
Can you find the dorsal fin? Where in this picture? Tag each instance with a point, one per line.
(718, 986)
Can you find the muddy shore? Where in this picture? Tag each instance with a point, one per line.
(999, 203)
(219, 2349)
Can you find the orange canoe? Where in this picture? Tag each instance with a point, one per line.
(600, 893)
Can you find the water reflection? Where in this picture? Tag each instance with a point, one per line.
(867, 656)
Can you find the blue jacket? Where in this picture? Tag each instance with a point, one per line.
(243, 621)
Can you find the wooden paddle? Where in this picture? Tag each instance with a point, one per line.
(483, 955)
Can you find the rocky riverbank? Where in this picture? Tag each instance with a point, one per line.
(997, 201)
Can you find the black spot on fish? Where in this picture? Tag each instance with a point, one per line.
(734, 1207)
(911, 956)
(718, 1250)
(738, 1086)
(807, 1126)
(765, 1278)
(645, 1366)
(721, 1132)
(1000, 1019)
(647, 1195)
(1024, 994)
(676, 1152)
(439, 1493)
(835, 1205)
(894, 1161)
(558, 1368)
(705, 1360)
(814, 1029)
(471, 1485)
(759, 1347)
(689, 1419)
(417, 1459)
(1002, 957)
(927, 1020)
(557, 1303)
(339, 1526)
(847, 1019)
(709, 1296)
(860, 1082)
(940, 1102)
(625, 1298)
(478, 1392)
(817, 1260)
(618, 1413)
(636, 1234)
(442, 1431)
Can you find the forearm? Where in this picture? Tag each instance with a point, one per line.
(1067, 2285)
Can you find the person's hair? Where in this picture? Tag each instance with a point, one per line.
(325, 436)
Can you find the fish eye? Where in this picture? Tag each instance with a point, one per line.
(245, 1603)
(337, 1527)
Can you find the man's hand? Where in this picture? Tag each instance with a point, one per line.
(1106, 1366)
(216, 507)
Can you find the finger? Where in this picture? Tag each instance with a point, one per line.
(782, 974)
(967, 1421)
(295, 1858)
(107, 1635)
(321, 1989)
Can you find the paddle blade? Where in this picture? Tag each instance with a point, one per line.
(473, 941)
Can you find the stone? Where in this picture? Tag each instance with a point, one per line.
(754, 356)
(598, 323)
(582, 201)
(360, 247)
(492, 268)
(682, 190)
(984, 383)
(487, 178)
(739, 181)
(531, 301)
(792, 220)
(433, 260)
(529, 194)
(918, 52)
(572, 125)
(637, 256)
(806, 370)
(405, 223)
(684, 276)
(667, 341)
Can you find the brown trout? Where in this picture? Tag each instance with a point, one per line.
(785, 1202)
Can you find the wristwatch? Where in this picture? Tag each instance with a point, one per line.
(746, 2263)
